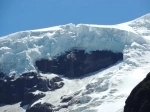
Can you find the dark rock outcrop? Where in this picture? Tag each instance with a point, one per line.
(139, 99)
(12, 89)
(30, 98)
(2, 75)
(21, 88)
(45, 107)
(77, 63)
(66, 98)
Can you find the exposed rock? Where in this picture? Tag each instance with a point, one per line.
(2, 75)
(139, 99)
(21, 88)
(3, 91)
(60, 107)
(66, 98)
(45, 84)
(13, 88)
(30, 98)
(96, 86)
(45, 107)
(77, 63)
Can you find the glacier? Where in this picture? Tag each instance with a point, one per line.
(28, 46)
(110, 87)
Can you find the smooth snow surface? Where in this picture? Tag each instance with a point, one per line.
(110, 87)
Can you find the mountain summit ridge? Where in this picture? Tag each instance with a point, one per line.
(145, 17)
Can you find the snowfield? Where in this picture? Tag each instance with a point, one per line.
(102, 91)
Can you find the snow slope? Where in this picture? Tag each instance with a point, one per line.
(110, 87)
(141, 25)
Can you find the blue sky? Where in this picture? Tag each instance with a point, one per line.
(18, 15)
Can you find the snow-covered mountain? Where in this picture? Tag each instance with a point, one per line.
(28, 46)
(102, 91)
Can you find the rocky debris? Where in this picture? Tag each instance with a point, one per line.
(12, 89)
(69, 101)
(22, 87)
(74, 99)
(84, 97)
(30, 98)
(65, 101)
(66, 98)
(45, 84)
(76, 63)
(80, 100)
(139, 98)
(100, 85)
(61, 107)
(45, 107)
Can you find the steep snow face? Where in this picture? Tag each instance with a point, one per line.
(141, 25)
(19, 51)
(142, 22)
